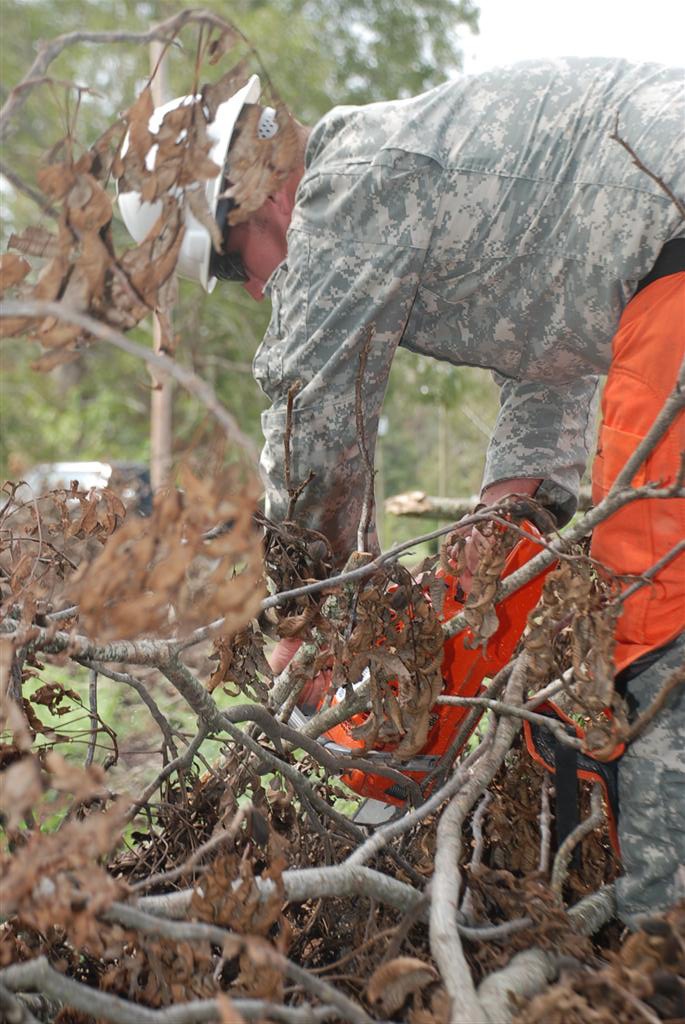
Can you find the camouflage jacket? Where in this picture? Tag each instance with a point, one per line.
(491, 221)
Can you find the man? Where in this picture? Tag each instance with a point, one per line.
(496, 221)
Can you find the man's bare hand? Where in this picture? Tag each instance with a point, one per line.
(313, 690)
(468, 552)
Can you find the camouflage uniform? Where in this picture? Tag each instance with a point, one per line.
(651, 782)
(491, 222)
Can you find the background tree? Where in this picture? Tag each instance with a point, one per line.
(318, 53)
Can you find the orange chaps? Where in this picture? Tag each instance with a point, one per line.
(647, 353)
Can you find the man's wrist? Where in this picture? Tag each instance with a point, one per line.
(506, 488)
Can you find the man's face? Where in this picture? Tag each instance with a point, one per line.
(261, 244)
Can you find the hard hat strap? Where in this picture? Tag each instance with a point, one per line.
(226, 266)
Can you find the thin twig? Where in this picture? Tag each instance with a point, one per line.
(165, 31)
(94, 719)
(225, 836)
(142, 691)
(676, 679)
(369, 472)
(500, 708)
(615, 137)
(545, 825)
(477, 855)
(565, 851)
(28, 190)
(293, 491)
(648, 575)
(184, 760)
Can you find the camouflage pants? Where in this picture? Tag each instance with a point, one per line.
(652, 797)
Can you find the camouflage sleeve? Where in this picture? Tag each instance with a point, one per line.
(548, 431)
(324, 304)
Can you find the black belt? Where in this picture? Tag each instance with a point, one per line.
(671, 260)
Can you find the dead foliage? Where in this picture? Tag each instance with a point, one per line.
(163, 573)
(63, 883)
(258, 169)
(45, 538)
(643, 980)
(396, 634)
(479, 609)
(577, 616)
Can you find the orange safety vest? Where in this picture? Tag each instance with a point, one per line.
(647, 353)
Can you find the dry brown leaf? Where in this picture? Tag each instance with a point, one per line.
(138, 117)
(21, 787)
(392, 982)
(15, 326)
(55, 180)
(89, 206)
(216, 93)
(34, 241)
(197, 201)
(81, 783)
(258, 167)
(13, 270)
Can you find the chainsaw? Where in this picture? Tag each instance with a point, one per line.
(467, 663)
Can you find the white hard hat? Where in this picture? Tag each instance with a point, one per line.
(196, 250)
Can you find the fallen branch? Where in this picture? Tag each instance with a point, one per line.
(38, 976)
(422, 505)
(445, 943)
(529, 972)
(501, 708)
(193, 931)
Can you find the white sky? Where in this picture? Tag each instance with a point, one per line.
(512, 30)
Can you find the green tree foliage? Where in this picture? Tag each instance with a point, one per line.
(318, 53)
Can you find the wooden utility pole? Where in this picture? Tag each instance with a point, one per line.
(161, 430)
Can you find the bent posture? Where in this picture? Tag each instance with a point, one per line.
(495, 221)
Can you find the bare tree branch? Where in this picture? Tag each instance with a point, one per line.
(165, 32)
(545, 825)
(477, 855)
(38, 976)
(529, 972)
(501, 708)
(444, 937)
(142, 691)
(426, 506)
(565, 851)
(94, 720)
(22, 186)
(369, 472)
